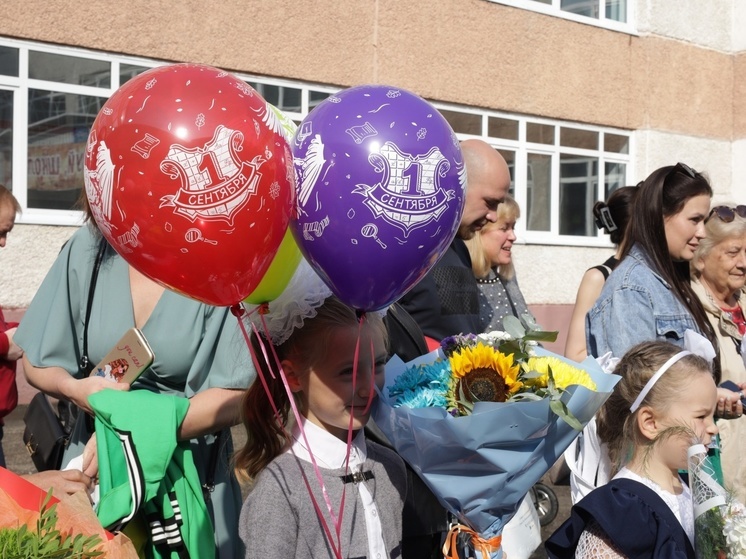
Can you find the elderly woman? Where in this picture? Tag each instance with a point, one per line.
(718, 277)
(492, 263)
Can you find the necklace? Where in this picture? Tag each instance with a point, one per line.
(488, 280)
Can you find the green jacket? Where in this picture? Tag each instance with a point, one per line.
(144, 469)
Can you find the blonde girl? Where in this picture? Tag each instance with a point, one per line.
(357, 512)
(664, 403)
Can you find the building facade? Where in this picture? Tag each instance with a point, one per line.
(580, 96)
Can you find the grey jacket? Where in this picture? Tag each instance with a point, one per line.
(636, 305)
(278, 518)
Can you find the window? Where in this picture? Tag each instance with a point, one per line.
(6, 137)
(558, 170)
(613, 14)
(61, 91)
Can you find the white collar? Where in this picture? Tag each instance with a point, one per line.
(329, 451)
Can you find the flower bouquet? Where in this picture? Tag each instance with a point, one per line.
(481, 419)
(35, 524)
(719, 520)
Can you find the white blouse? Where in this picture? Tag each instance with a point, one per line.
(330, 453)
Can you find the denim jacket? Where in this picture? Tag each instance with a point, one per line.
(635, 305)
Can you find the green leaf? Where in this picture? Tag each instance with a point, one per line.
(541, 336)
(530, 396)
(513, 327)
(530, 375)
(46, 542)
(559, 408)
(514, 348)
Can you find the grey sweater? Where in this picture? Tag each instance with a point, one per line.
(278, 519)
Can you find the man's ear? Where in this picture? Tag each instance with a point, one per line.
(291, 374)
(648, 423)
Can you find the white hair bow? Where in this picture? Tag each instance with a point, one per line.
(699, 345)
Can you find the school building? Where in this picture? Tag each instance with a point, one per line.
(580, 96)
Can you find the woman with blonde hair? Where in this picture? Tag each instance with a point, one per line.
(492, 262)
(718, 277)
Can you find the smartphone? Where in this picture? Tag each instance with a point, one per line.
(730, 385)
(127, 360)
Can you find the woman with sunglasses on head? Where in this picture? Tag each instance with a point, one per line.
(718, 277)
(649, 296)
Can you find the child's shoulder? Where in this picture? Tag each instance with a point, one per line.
(382, 453)
(620, 508)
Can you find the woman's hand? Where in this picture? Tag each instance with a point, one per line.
(58, 383)
(90, 458)
(65, 481)
(78, 390)
(729, 404)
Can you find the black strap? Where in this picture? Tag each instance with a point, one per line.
(405, 335)
(85, 363)
(604, 269)
(209, 485)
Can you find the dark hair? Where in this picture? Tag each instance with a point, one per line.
(619, 208)
(267, 434)
(616, 424)
(664, 194)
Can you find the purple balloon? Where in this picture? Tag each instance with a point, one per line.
(380, 184)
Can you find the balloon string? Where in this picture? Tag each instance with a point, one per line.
(336, 519)
(352, 408)
(372, 387)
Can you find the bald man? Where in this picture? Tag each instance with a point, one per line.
(446, 301)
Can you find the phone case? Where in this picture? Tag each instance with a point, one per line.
(730, 385)
(127, 360)
(733, 387)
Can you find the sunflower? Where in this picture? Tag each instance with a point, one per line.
(481, 374)
(564, 374)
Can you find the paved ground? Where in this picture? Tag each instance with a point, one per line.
(18, 460)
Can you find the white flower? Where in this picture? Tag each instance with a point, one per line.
(735, 530)
(494, 337)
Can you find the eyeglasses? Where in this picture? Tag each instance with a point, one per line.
(726, 214)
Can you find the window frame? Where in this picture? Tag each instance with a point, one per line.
(520, 147)
(629, 27)
(22, 84)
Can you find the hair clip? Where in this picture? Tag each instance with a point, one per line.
(605, 221)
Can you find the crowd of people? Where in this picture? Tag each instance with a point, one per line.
(679, 268)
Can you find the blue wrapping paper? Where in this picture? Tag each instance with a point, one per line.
(480, 466)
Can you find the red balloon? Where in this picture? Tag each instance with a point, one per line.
(190, 179)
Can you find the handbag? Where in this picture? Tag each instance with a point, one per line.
(47, 434)
(44, 436)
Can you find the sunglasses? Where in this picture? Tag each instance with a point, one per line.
(686, 169)
(682, 168)
(726, 214)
